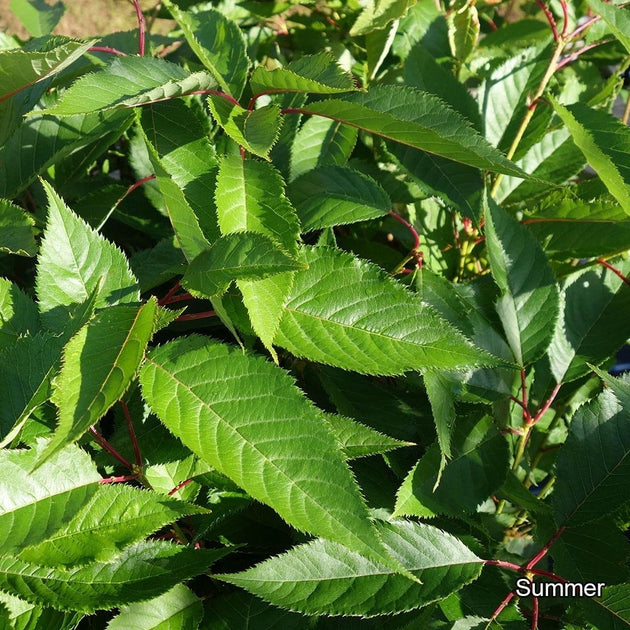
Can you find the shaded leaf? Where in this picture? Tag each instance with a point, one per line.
(16, 230)
(617, 19)
(611, 611)
(18, 314)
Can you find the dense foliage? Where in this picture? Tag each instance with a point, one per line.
(307, 311)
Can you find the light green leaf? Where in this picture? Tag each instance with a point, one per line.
(605, 143)
(619, 387)
(321, 142)
(74, 260)
(478, 466)
(18, 314)
(144, 570)
(99, 363)
(113, 518)
(336, 195)
(358, 440)
(443, 408)
(617, 19)
(463, 31)
(245, 417)
(592, 324)
(318, 74)
(187, 155)
(35, 504)
(20, 69)
(129, 82)
(378, 14)
(185, 222)
(593, 466)
(236, 256)
(38, 18)
(255, 130)
(16, 230)
(323, 577)
(165, 477)
(177, 609)
(417, 119)
(41, 141)
(529, 302)
(219, 44)
(349, 313)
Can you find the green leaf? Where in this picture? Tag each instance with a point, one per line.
(478, 466)
(318, 74)
(416, 119)
(99, 363)
(177, 609)
(236, 256)
(245, 417)
(323, 577)
(616, 18)
(16, 230)
(321, 142)
(218, 43)
(443, 408)
(41, 141)
(35, 504)
(528, 306)
(378, 14)
(165, 477)
(335, 195)
(463, 31)
(141, 571)
(18, 314)
(74, 260)
(129, 82)
(255, 130)
(187, 155)
(605, 143)
(346, 312)
(38, 18)
(20, 69)
(358, 440)
(592, 324)
(611, 611)
(593, 466)
(113, 518)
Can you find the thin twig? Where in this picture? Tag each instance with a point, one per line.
(170, 293)
(110, 449)
(132, 433)
(193, 316)
(550, 19)
(614, 270)
(547, 404)
(108, 50)
(545, 550)
(120, 479)
(141, 28)
(534, 612)
(179, 486)
(565, 17)
(129, 190)
(573, 56)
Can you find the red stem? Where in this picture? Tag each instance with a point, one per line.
(132, 434)
(571, 58)
(179, 486)
(177, 298)
(416, 237)
(515, 567)
(614, 270)
(543, 552)
(534, 612)
(550, 19)
(584, 26)
(547, 404)
(110, 449)
(171, 292)
(107, 49)
(565, 17)
(193, 316)
(118, 479)
(141, 28)
(502, 605)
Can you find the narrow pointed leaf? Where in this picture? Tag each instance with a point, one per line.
(113, 518)
(16, 230)
(593, 466)
(142, 571)
(358, 440)
(443, 408)
(74, 260)
(20, 69)
(112, 345)
(616, 18)
(35, 504)
(335, 195)
(322, 577)
(605, 143)
(237, 256)
(417, 119)
(346, 312)
(318, 74)
(177, 609)
(129, 82)
(321, 142)
(528, 306)
(219, 44)
(245, 417)
(255, 130)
